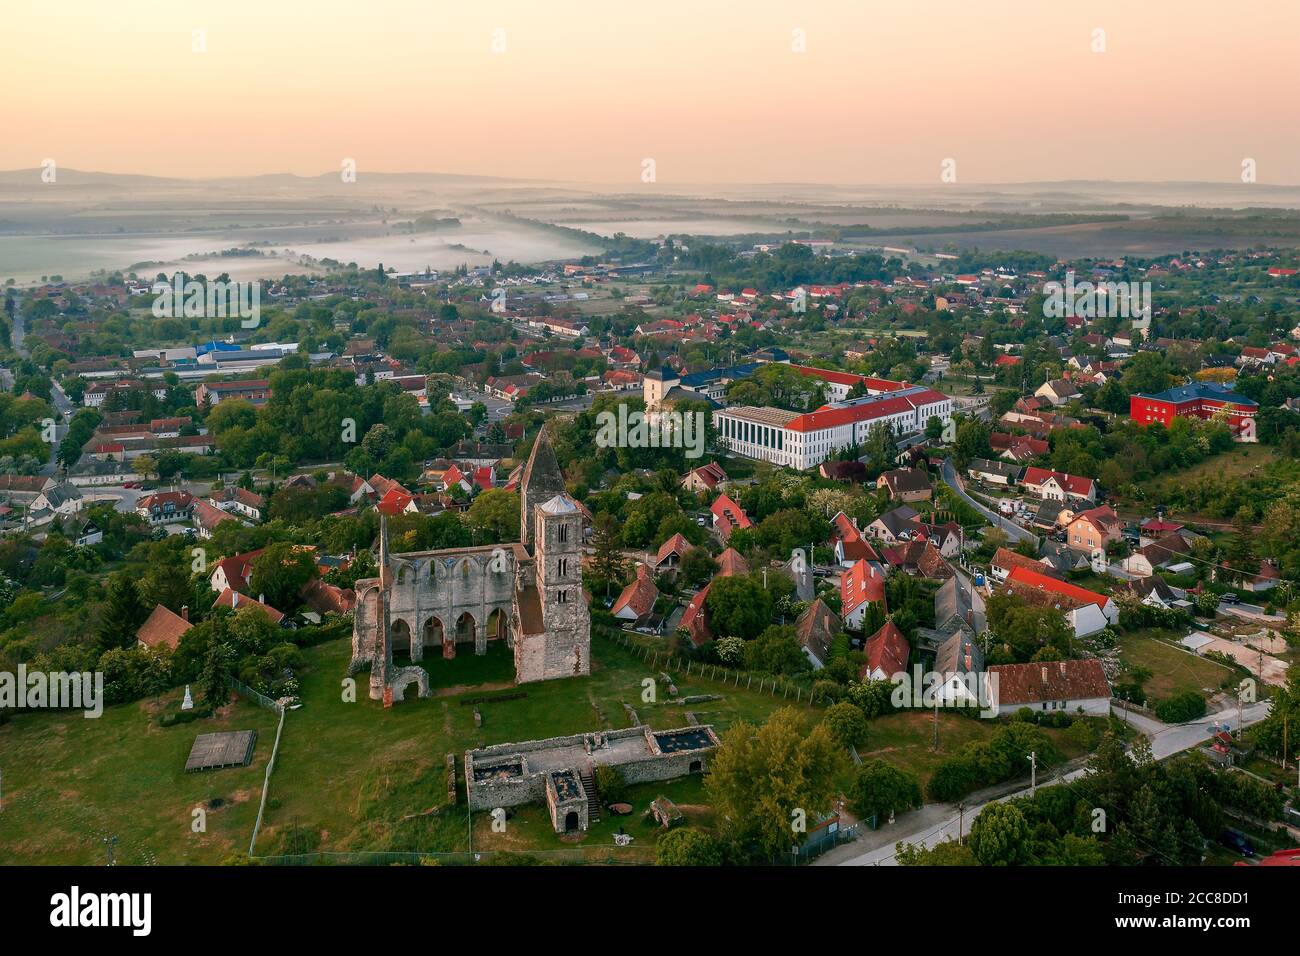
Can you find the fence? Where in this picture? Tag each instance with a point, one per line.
(262, 701)
(673, 662)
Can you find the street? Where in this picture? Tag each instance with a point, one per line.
(934, 823)
(1012, 530)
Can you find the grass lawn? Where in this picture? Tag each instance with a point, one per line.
(70, 782)
(906, 739)
(353, 776)
(1238, 462)
(1172, 669)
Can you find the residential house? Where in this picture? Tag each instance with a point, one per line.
(1071, 687)
(1058, 391)
(893, 526)
(994, 472)
(1094, 529)
(637, 601)
(906, 484)
(163, 628)
(671, 552)
(1168, 550)
(1085, 611)
(727, 516)
(816, 628)
(705, 478)
(1057, 485)
(887, 652)
(860, 586)
(165, 506)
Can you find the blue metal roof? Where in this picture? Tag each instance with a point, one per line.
(1194, 390)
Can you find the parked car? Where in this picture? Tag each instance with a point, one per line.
(1229, 598)
(1236, 841)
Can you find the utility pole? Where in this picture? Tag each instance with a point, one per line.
(1033, 771)
(936, 721)
(961, 823)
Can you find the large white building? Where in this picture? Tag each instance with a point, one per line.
(806, 440)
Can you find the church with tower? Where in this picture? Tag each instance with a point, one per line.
(458, 600)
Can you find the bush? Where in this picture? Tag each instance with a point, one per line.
(184, 716)
(1184, 706)
(1004, 756)
(880, 788)
(687, 847)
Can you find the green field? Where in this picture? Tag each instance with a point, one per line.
(352, 777)
(1172, 669)
(71, 783)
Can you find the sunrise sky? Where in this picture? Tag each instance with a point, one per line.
(712, 91)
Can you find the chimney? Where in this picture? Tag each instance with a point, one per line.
(185, 612)
(1062, 668)
(1044, 674)
(234, 602)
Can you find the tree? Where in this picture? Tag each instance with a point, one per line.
(217, 663)
(880, 790)
(279, 573)
(1000, 835)
(739, 606)
(607, 563)
(124, 612)
(776, 651)
(494, 516)
(846, 723)
(688, 847)
(764, 781)
(698, 567)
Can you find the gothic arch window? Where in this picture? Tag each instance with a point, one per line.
(562, 533)
(563, 567)
(562, 597)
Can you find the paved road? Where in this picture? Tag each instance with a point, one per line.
(936, 822)
(1012, 530)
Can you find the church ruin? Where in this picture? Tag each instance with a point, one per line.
(528, 594)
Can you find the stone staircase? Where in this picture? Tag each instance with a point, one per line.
(593, 800)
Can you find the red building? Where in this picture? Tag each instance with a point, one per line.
(1203, 400)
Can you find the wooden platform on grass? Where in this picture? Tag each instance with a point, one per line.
(214, 751)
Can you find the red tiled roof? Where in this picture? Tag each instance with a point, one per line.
(860, 583)
(677, 544)
(236, 601)
(887, 651)
(162, 627)
(1055, 680)
(1042, 582)
(640, 595)
(1071, 484)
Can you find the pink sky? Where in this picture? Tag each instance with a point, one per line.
(713, 92)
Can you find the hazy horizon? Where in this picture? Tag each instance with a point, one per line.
(575, 92)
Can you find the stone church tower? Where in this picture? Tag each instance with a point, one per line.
(542, 480)
(551, 625)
